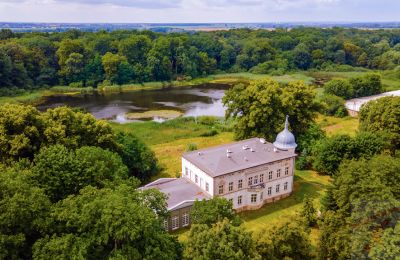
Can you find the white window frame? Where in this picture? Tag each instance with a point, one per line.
(175, 223)
(286, 170)
(253, 198)
(261, 178)
(270, 175)
(230, 186)
(166, 224)
(250, 181)
(240, 184)
(277, 188)
(255, 181)
(239, 200)
(278, 173)
(185, 219)
(269, 191)
(207, 187)
(285, 186)
(221, 189)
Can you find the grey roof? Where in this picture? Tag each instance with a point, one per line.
(285, 140)
(181, 192)
(243, 155)
(356, 103)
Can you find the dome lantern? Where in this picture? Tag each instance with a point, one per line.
(285, 140)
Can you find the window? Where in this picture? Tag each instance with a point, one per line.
(261, 196)
(221, 189)
(256, 179)
(285, 186)
(166, 224)
(286, 170)
(278, 173)
(269, 191)
(277, 188)
(196, 178)
(230, 187)
(270, 175)
(186, 171)
(175, 223)
(240, 184)
(253, 198)
(261, 178)
(239, 200)
(207, 186)
(185, 219)
(250, 181)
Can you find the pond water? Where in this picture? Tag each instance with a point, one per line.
(198, 100)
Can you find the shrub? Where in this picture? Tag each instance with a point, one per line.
(191, 147)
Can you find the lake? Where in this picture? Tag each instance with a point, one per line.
(198, 100)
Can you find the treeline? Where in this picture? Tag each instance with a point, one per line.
(360, 212)
(89, 59)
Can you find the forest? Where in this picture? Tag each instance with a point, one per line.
(89, 59)
(69, 183)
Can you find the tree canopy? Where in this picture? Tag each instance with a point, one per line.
(260, 108)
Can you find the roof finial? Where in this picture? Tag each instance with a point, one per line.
(287, 122)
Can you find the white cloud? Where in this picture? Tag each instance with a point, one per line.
(125, 11)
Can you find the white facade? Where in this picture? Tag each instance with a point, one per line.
(198, 177)
(248, 189)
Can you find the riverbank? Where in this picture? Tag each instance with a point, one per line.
(390, 82)
(35, 97)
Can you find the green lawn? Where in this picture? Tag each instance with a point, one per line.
(334, 125)
(306, 184)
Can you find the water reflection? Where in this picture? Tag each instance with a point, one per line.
(191, 101)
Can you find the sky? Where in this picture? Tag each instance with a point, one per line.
(198, 11)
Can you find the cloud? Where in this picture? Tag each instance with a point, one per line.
(145, 4)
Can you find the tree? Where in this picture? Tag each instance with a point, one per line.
(260, 108)
(221, 241)
(109, 223)
(24, 210)
(62, 172)
(211, 211)
(366, 194)
(290, 240)
(382, 116)
(389, 245)
(339, 87)
(367, 85)
(20, 131)
(308, 212)
(140, 160)
(111, 64)
(24, 130)
(333, 105)
(329, 153)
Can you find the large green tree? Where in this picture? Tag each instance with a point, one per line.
(382, 116)
(62, 172)
(24, 210)
(260, 108)
(109, 223)
(221, 241)
(212, 211)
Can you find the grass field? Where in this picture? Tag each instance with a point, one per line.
(333, 125)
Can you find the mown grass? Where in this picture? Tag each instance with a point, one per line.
(334, 125)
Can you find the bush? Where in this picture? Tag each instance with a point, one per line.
(333, 105)
(191, 147)
(209, 133)
(339, 87)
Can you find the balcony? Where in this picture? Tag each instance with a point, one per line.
(256, 188)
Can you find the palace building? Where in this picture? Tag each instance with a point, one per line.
(249, 173)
